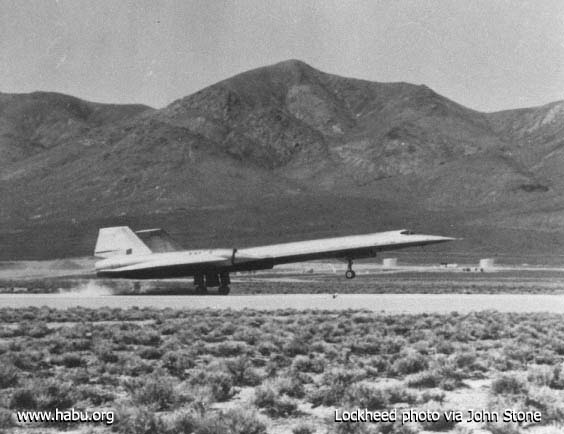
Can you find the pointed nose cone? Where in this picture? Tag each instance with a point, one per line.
(441, 239)
(435, 239)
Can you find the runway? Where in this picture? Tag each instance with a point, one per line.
(388, 303)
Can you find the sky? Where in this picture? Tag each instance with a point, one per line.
(485, 54)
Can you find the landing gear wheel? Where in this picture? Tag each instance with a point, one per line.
(200, 284)
(350, 274)
(224, 282)
(200, 289)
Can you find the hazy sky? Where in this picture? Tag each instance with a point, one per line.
(486, 54)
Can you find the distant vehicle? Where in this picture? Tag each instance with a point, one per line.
(153, 254)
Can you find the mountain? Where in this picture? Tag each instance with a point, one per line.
(280, 152)
(35, 122)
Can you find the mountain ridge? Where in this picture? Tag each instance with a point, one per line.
(283, 131)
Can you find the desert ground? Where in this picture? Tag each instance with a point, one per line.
(248, 371)
(77, 275)
(181, 369)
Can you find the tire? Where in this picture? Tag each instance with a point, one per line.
(224, 290)
(201, 290)
(350, 274)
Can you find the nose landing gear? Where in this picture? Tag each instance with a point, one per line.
(350, 274)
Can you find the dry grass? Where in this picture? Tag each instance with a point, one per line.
(166, 370)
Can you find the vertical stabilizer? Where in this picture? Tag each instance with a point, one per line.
(119, 240)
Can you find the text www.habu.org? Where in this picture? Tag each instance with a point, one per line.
(70, 415)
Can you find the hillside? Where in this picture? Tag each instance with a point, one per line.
(280, 152)
(35, 122)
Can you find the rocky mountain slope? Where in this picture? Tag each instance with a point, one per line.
(284, 151)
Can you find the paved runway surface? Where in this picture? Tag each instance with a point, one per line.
(390, 303)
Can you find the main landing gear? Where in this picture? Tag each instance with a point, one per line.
(221, 280)
(350, 274)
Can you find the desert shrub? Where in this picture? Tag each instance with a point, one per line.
(31, 328)
(242, 372)
(108, 356)
(27, 360)
(291, 386)
(392, 345)
(409, 363)
(221, 385)
(271, 369)
(445, 347)
(238, 421)
(541, 375)
(138, 420)
(450, 377)
(508, 384)
(267, 348)
(135, 335)
(156, 392)
(557, 344)
(79, 376)
(43, 395)
(557, 381)
(545, 356)
(303, 428)
(227, 349)
(189, 421)
(177, 362)
(94, 394)
(399, 394)
(309, 364)
(425, 379)
(549, 403)
(295, 347)
(38, 330)
(248, 335)
(6, 420)
(302, 377)
(77, 344)
(518, 354)
(135, 366)
(73, 360)
(464, 359)
(364, 395)
(377, 365)
(105, 352)
(168, 329)
(54, 393)
(9, 375)
(327, 395)
(367, 346)
(431, 396)
(274, 404)
(151, 353)
(23, 399)
(334, 384)
(228, 328)
(280, 360)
